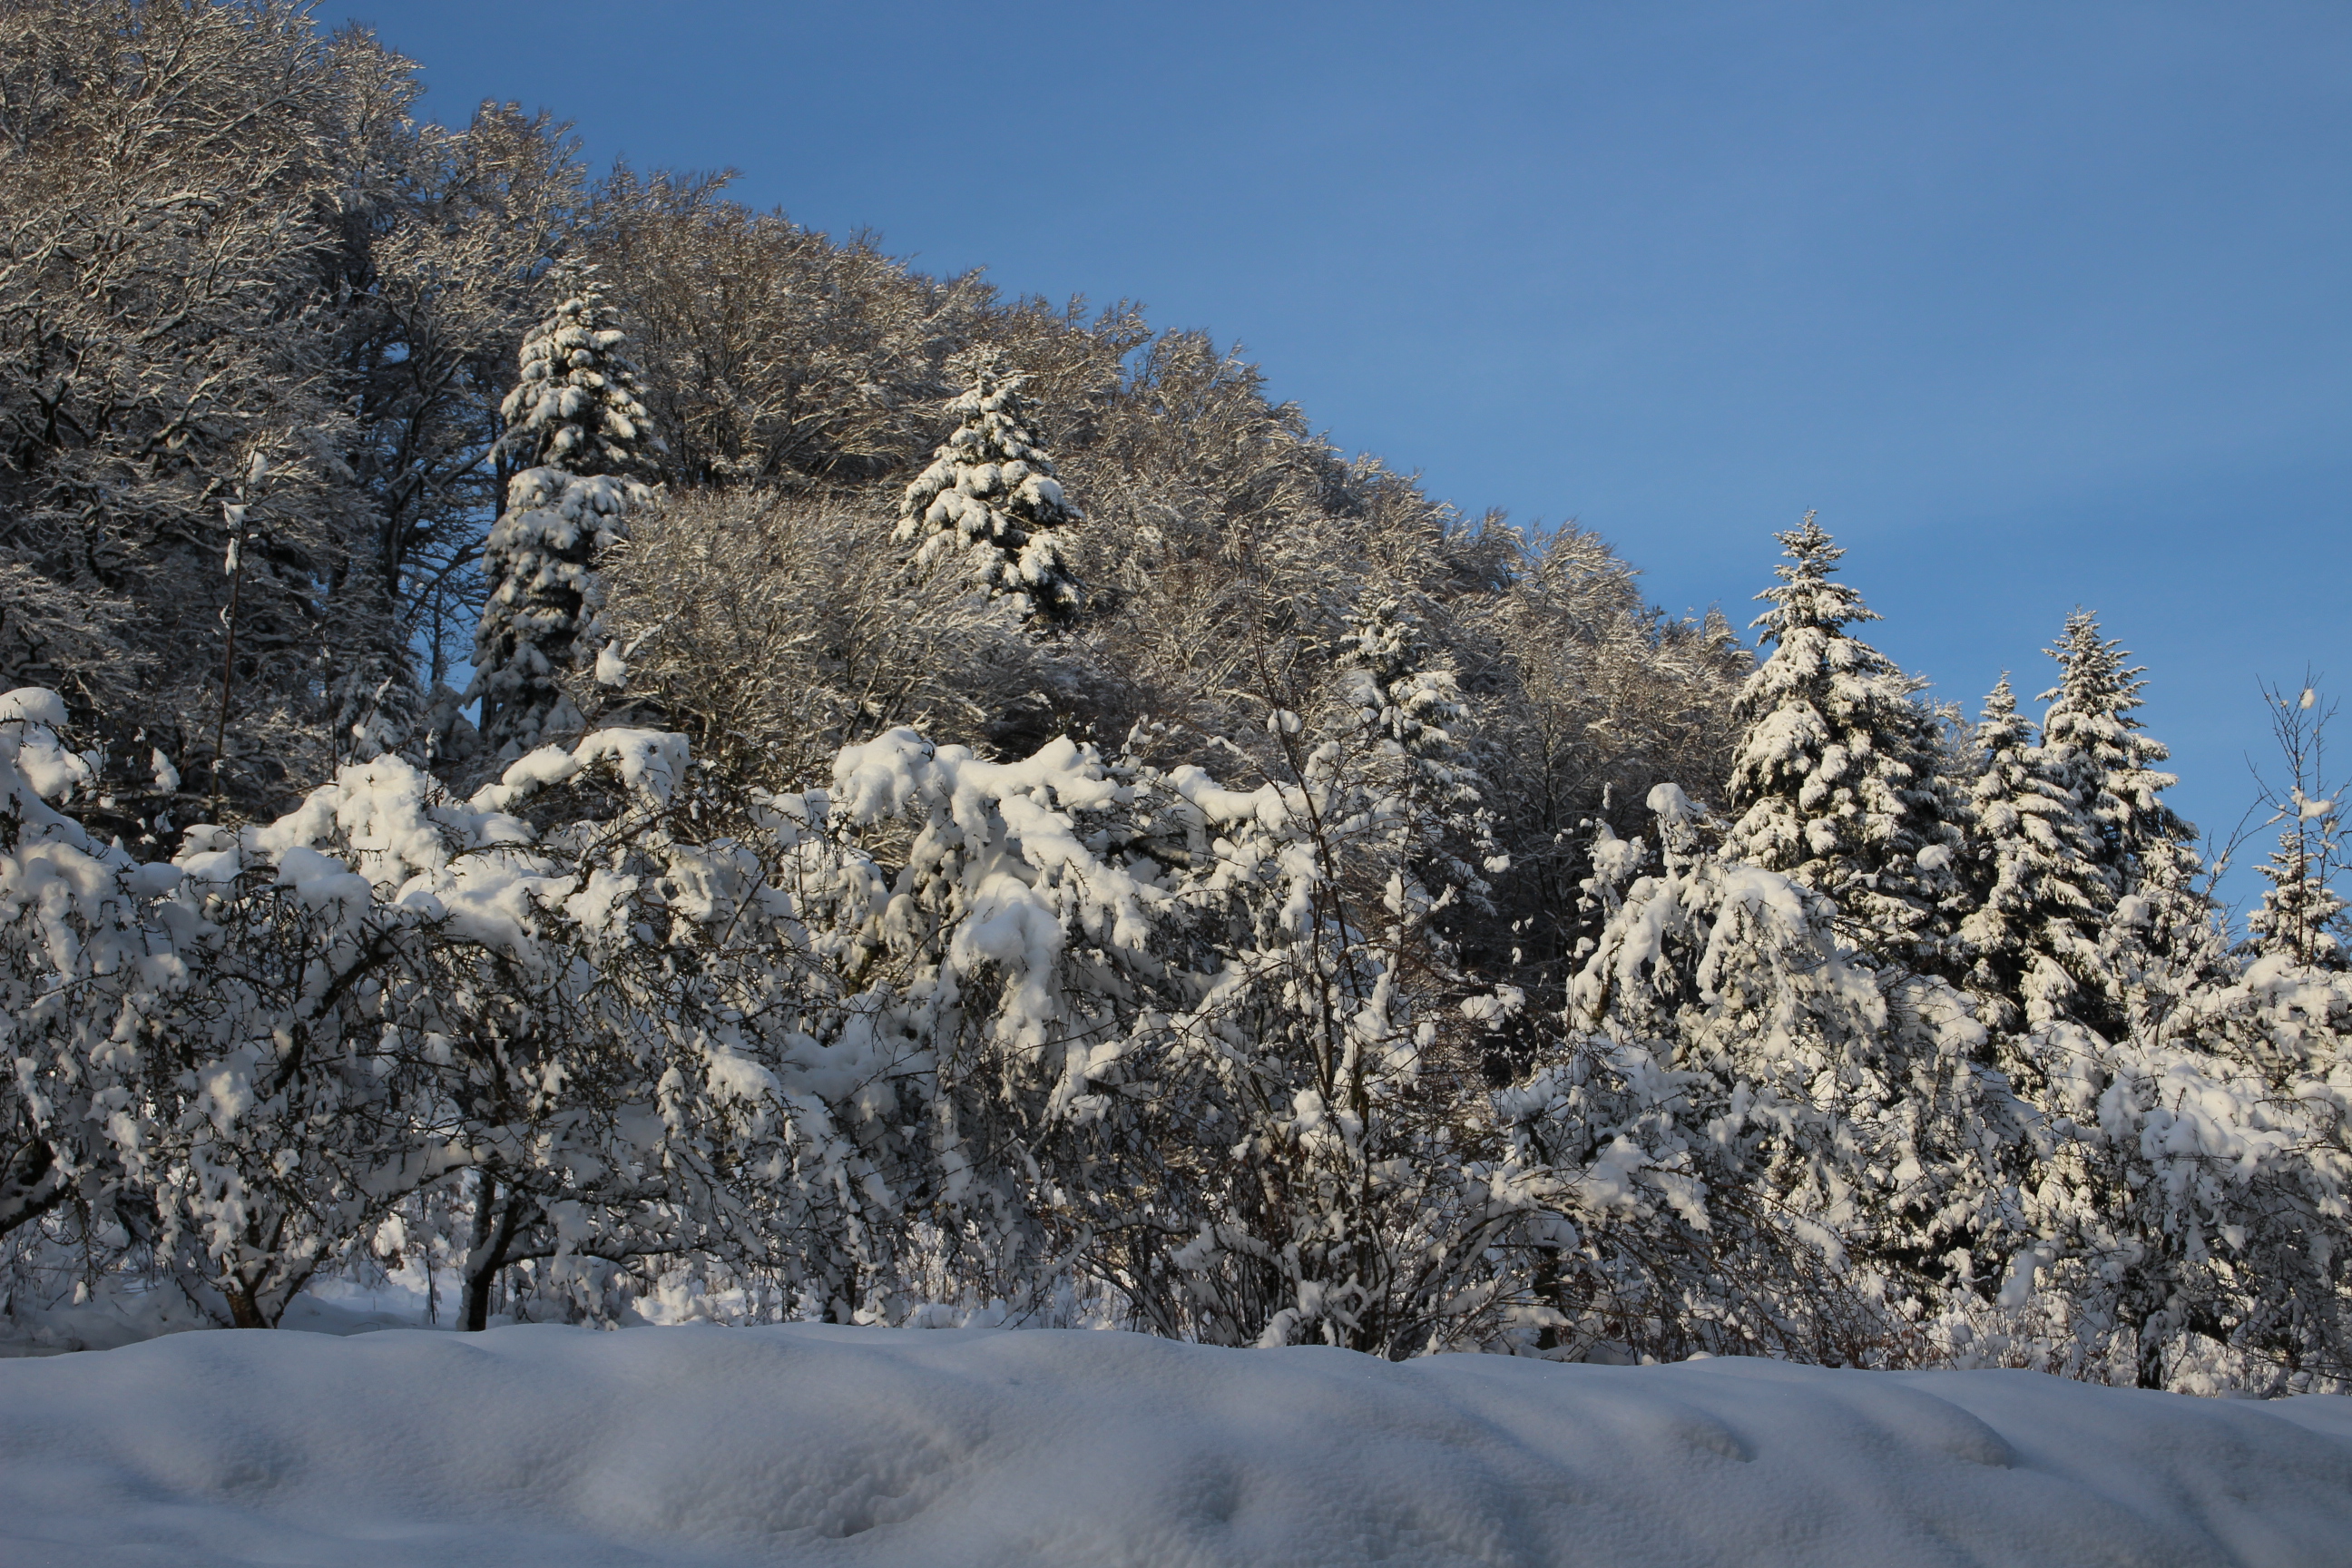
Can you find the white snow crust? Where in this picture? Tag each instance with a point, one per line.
(812, 1445)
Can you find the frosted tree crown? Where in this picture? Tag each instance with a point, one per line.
(991, 494)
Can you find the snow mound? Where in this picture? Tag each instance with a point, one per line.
(816, 1444)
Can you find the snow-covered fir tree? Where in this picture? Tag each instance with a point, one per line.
(1399, 695)
(990, 495)
(1403, 695)
(578, 406)
(577, 426)
(2092, 745)
(1836, 780)
(2034, 888)
(2301, 916)
(1850, 1135)
(2160, 937)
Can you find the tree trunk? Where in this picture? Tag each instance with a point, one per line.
(32, 1182)
(244, 1312)
(2151, 1349)
(495, 1225)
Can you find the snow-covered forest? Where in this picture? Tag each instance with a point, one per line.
(598, 756)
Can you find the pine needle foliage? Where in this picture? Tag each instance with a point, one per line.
(1835, 782)
(990, 495)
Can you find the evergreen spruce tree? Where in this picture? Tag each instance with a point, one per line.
(1404, 691)
(2159, 938)
(2092, 745)
(1838, 1094)
(989, 493)
(1835, 781)
(2035, 890)
(2301, 918)
(577, 425)
(2300, 915)
(1403, 695)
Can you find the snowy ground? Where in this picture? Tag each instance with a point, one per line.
(813, 1445)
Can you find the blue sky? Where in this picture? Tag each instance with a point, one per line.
(2038, 304)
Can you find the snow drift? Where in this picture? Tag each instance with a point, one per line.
(816, 1444)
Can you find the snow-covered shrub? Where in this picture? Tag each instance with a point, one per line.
(776, 628)
(1323, 1178)
(67, 922)
(2187, 1195)
(294, 1029)
(1013, 952)
(1830, 1105)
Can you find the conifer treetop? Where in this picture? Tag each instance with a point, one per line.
(2031, 936)
(2001, 708)
(578, 406)
(577, 424)
(990, 492)
(2095, 746)
(1835, 779)
(2095, 682)
(2301, 918)
(1806, 597)
(1400, 683)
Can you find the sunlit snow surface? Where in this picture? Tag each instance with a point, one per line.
(812, 1445)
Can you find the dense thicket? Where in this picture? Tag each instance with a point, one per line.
(975, 813)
